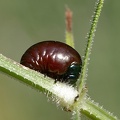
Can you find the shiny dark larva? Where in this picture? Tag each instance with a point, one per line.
(54, 59)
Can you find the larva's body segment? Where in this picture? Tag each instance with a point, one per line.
(54, 59)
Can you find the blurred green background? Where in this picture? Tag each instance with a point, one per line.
(25, 22)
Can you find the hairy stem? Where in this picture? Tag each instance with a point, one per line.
(64, 93)
(61, 91)
(95, 112)
(98, 8)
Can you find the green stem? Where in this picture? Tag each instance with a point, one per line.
(45, 84)
(69, 39)
(23, 74)
(90, 37)
(69, 35)
(39, 81)
(95, 112)
(76, 115)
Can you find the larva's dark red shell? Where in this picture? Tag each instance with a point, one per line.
(54, 59)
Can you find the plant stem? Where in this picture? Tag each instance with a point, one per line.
(76, 115)
(83, 76)
(61, 91)
(95, 112)
(45, 84)
(69, 35)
